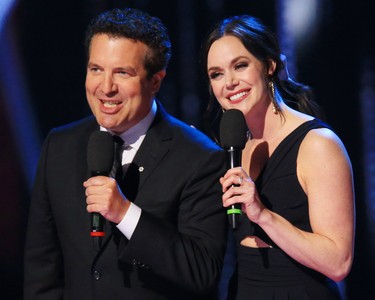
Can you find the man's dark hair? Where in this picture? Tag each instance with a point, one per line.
(136, 25)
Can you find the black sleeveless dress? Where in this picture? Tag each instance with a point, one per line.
(268, 273)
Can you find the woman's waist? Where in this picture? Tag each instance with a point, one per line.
(271, 265)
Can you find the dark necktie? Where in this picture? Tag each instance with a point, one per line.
(117, 162)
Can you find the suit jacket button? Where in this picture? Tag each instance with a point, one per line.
(96, 274)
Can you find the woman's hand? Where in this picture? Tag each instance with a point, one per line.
(238, 187)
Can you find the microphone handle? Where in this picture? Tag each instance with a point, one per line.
(233, 161)
(97, 224)
(97, 220)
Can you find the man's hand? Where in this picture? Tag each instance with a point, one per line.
(105, 197)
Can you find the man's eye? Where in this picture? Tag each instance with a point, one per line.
(124, 73)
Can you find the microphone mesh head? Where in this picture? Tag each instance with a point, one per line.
(233, 129)
(100, 152)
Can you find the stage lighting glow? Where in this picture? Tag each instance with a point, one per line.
(5, 8)
(301, 17)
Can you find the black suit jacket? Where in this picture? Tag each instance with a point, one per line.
(177, 248)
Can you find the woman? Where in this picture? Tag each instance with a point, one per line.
(295, 186)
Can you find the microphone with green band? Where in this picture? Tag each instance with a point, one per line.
(233, 131)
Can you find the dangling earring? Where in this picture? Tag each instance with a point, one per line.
(275, 107)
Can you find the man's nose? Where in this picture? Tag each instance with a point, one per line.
(108, 85)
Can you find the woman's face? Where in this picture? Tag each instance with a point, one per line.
(237, 78)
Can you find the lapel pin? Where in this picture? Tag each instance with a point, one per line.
(140, 169)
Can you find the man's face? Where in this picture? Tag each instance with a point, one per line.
(117, 89)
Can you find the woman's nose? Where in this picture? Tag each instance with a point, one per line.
(231, 81)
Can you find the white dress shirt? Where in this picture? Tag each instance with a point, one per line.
(133, 139)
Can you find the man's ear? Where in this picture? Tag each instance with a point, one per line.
(157, 79)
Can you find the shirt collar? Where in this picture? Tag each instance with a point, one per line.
(134, 136)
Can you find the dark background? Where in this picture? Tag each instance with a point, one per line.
(42, 73)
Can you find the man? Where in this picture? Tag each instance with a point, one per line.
(165, 230)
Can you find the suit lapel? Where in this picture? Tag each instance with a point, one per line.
(154, 148)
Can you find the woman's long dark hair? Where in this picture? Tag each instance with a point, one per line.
(263, 44)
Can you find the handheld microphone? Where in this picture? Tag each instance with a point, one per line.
(233, 130)
(100, 155)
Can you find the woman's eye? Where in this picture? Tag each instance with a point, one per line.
(215, 75)
(241, 66)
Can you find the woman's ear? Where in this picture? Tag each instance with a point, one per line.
(271, 67)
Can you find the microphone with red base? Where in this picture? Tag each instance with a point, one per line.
(233, 131)
(100, 155)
